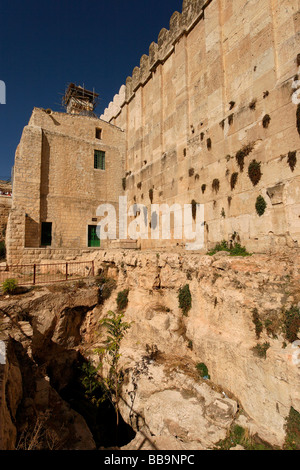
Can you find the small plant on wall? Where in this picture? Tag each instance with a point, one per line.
(203, 188)
(298, 118)
(230, 119)
(185, 299)
(292, 426)
(260, 350)
(266, 121)
(254, 172)
(194, 208)
(292, 160)
(257, 323)
(122, 300)
(260, 206)
(233, 180)
(216, 185)
(151, 195)
(203, 370)
(292, 324)
(242, 154)
(252, 105)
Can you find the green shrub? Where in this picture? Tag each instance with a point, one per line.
(216, 185)
(233, 180)
(242, 154)
(257, 322)
(240, 436)
(122, 299)
(292, 324)
(260, 350)
(239, 250)
(185, 299)
(203, 370)
(9, 286)
(292, 441)
(292, 160)
(260, 206)
(235, 250)
(254, 172)
(106, 287)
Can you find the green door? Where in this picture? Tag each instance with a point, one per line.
(93, 239)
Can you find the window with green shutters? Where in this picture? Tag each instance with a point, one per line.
(99, 160)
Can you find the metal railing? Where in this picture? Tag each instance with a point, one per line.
(35, 274)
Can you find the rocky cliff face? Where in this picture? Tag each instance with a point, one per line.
(235, 326)
(10, 395)
(230, 297)
(40, 330)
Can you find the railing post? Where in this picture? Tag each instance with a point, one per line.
(66, 271)
(34, 274)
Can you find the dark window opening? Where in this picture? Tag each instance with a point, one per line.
(98, 133)
(46, 235)
(93, 239)
(99, 160)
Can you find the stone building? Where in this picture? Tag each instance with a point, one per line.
(65, 166)
(5, 206)
(210, 116)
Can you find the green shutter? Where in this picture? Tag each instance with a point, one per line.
(99, 160)
(93, 239)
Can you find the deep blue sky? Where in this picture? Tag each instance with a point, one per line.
(46, 44)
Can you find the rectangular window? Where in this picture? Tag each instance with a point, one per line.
(98, 133)
(46, 235)
(99, 160)
(93, 239)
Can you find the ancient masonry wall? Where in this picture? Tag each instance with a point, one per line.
(217, 92)
(5, 206)
(55, 181)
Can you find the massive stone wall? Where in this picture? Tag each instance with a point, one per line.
(55, 181)
(221, 80)
(5, 206)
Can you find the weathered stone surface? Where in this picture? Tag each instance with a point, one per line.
(218, 331)
(10, 397)
(49, 337)
(213, 77)
(163, 396)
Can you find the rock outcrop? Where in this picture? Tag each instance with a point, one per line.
(42, 328)
(237, 309)
(219, 331)
(10, 395)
